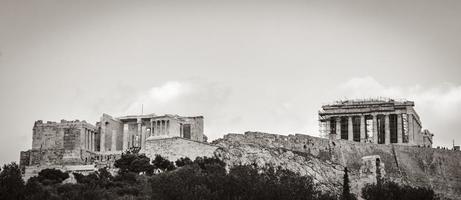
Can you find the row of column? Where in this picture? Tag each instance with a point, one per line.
(88, 139)
(159, 127)
(136, 139)
(363, 129)
(132, 137)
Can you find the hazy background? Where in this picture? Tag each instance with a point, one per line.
(244, 65)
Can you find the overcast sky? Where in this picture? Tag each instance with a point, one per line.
(244, 65)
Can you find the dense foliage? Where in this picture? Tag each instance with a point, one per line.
(132, 161)
(206, 178)
(51, 176)
(203, 178)
(11, 183)
(162, 164)
(387, 190)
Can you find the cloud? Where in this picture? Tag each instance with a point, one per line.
(438, 106)
(179, 96)
(444, 99)
(158, 96)
(166, 92)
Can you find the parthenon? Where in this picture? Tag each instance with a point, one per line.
(379, 121)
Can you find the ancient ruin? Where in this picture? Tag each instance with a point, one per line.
(369, 137)
(86, 147)
(378, 121)
(119, 134)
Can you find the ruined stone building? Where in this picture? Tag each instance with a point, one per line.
(118, 134)
(83, 146)
(379, 121)
(67, 135)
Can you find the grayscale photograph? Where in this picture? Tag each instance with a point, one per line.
(230, 100)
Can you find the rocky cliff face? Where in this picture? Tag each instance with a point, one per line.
(325, 160)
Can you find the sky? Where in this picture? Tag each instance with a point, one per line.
(244, 65)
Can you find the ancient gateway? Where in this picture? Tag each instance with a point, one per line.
(81, 146)
(379, 121)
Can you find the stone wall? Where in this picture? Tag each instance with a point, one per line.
(111, 134)
(175, 148)
(47, 136)
(71, 138)
(196, 127)
(325, 160)
(31, 171)
(52, 157)
(66, 135)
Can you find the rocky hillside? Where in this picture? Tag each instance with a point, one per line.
(325, 160)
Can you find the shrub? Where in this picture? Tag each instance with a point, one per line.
(51, 176)
(132, 161)
(393, 191)
(162, 164)
(183, 162)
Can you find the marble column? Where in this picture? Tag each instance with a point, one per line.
(157, 128)
(410, 129)
(86, 139)
(327, 128)
(151, 128)
(375, 129)
(91, 140)
(113, 146)
(387, 130)
(363, 128)
(159, 131)
(338, 128)
(154, 128)
(139, 132)
(350, 129)
(167, 126)
(143, 137)
(163, 127)
(125, 137)
(399, 129)
(102, 139)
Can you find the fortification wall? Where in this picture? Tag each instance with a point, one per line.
(31, 171)
(425, 167)
(53, 157)
(175, 148)
(47, 136)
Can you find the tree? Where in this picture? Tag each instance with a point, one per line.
(388, 190)
(162, 164)
(104, 176)
(132, 161)
(11, 183)
(183, 162)
(346, 194)
(206, 179)
(34, 190)
(51, 176)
